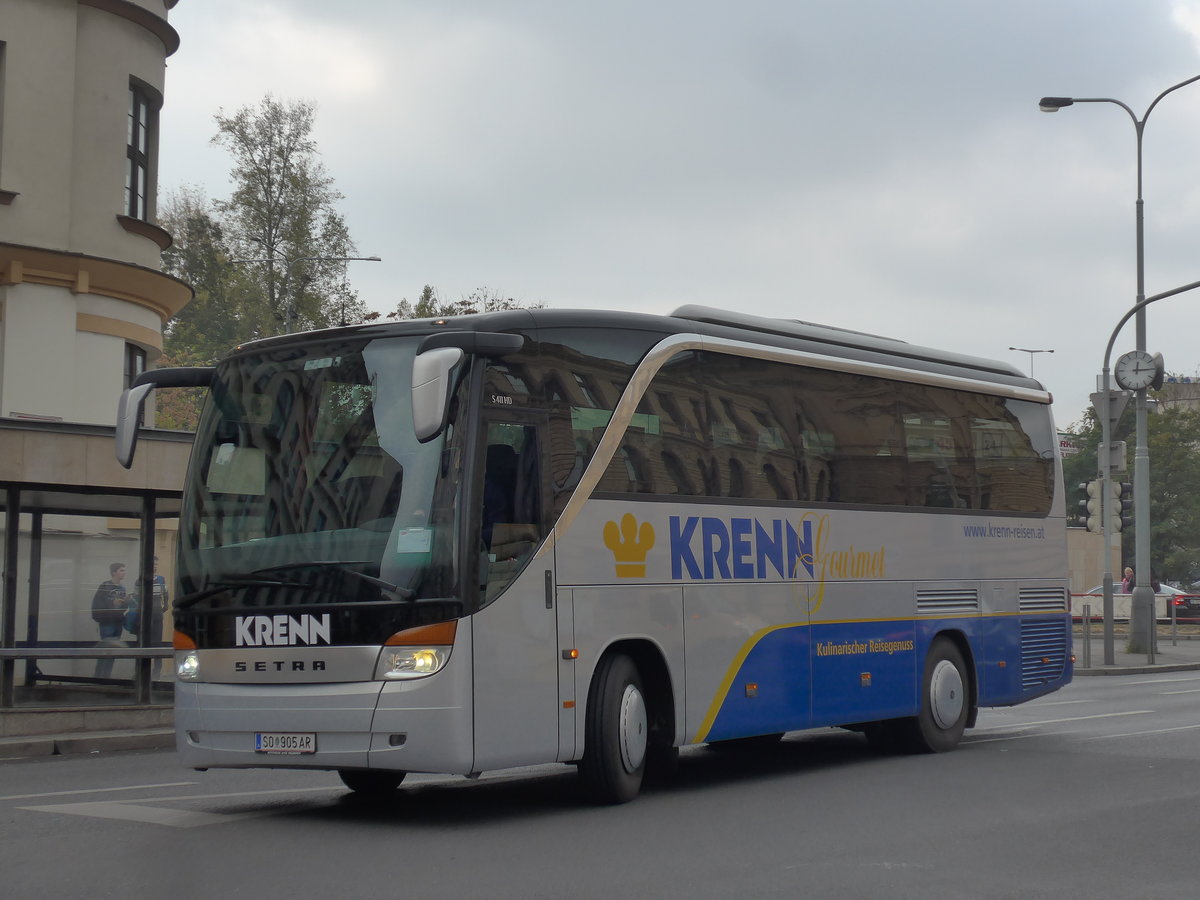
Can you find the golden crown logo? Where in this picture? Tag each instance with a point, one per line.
(629, 545)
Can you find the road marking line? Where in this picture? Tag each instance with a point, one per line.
(1191, 691)
(1133, 712)
(141, 810)
(1104, 737)
(1063, 703)
(151, 815)
(133, 787)
(1014, 737)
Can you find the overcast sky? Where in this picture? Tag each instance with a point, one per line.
(869, 164)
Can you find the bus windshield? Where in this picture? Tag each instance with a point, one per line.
(307, 487)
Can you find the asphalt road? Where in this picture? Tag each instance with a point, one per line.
(1091, 792)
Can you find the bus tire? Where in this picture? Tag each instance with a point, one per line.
(945, 702)
(616, 733)
(377, 782)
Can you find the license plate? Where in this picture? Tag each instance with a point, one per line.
(284, 742)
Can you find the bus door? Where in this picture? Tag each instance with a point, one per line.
(515, 634)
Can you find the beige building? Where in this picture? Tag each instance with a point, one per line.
(82, 308)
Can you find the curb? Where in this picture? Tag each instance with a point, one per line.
(37, 745)
(1137, 670)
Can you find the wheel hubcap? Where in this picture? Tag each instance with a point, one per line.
(946, 695)
(633, 728)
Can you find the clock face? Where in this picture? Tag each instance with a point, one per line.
(1136, 369)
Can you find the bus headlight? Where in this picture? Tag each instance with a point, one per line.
(411, 662)
(187, 666)
(416, 652)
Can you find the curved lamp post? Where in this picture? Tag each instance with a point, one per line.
(1030, 352)
(1142, 614)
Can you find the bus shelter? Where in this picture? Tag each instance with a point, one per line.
(70, 517)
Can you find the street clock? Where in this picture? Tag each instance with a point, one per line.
(1139, 369)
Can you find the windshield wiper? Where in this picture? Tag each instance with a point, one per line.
(229, 581)
(253, 579)
(394, 591)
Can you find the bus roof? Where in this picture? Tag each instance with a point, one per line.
(787, 333)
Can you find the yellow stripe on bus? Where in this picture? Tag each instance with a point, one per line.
(731, 673)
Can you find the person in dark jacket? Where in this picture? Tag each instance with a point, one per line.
(108, 612)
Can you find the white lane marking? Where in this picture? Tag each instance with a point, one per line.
(132, 787)
(1105, 737)
(1010, 737)
(151, 815)
(1017, 725)
(142, 810)
(1063, 703)
(1189, 691)
(1124, 683)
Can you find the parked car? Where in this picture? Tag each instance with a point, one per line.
(1187, 605)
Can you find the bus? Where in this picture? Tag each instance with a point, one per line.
(591, 537)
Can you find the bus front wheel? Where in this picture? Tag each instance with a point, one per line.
(945, 702)
(616, 732)
(370, 782)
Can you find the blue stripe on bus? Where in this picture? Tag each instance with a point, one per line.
(872, 670)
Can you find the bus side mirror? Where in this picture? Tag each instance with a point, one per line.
(129, 417)
(133, 400)
(431, 390)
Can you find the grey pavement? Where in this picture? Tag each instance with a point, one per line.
(1181, 653)
(35, 745)
(1172, 655)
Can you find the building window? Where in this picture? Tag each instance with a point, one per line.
(138, 137)
(135, 363)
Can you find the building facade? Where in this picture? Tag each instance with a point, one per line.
(82, 308)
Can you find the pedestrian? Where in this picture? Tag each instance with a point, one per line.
(157, 603)
(1128, 582)
(108, 612)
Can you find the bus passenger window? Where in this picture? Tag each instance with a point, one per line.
(511, 513)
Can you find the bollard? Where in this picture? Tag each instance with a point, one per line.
(1087, 635)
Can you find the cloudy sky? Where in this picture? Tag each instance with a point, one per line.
(868, 164)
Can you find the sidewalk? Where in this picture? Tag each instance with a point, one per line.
(32, 733)
(1182, 656)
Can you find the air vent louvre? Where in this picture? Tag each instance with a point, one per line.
(1043, 600)
(954, 601)
(1043, 652)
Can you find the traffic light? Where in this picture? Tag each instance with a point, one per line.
(1089, 509)
(1122, 509)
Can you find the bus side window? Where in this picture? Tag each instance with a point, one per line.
(511, 514)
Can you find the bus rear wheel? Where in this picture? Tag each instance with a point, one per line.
(375, 783)
(616, 732)
(945, 702)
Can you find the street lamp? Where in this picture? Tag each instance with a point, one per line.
(1030, 352)
(1142, 614)
(287, 322)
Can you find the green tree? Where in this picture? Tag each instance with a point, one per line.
(282, 212)
(229, 304)
(429, 304)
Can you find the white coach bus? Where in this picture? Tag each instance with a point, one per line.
(521, 537)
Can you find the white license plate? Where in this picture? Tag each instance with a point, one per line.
(284, 742)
